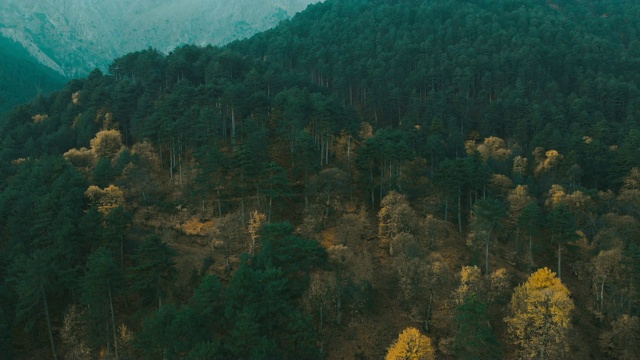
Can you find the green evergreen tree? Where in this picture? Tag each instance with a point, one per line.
(489, 215)
(474, 338)
(101, 284)
(154, 270)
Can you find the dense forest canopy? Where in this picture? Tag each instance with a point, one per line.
(367, 176)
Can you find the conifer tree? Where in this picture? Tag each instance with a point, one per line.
(474, 338)
(101, 283)
(488, 217)
(154, 269)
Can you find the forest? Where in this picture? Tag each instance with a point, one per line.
(399, 179)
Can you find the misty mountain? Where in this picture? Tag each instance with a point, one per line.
(75, 36)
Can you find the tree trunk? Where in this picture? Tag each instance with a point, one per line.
(459, 210)
(427, 316)
(242, 193)
(121, 254)
(326, 209)
(270, 207)
(46, 313)
(180, 167)
(530, 255)
(602, 297)
(381, 180)
(486, 253)
(373, 199)
(559, 260)
(321, 150)
(517, 240)
(113, 321)
(339, 307)
(446, 208)
(349, 166)
(233, 126)
(326, 149)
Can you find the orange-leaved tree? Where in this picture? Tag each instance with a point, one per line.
(411, 345)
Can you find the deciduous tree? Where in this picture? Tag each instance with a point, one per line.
(540, 317)
(623, 339)
(411, 345)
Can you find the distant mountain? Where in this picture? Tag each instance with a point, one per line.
(22, 77)
(75, 36)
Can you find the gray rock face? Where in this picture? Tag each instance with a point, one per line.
(75, 36)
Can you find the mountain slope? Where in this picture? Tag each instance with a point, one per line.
(417, 142)
(74, 37)
(22, 77)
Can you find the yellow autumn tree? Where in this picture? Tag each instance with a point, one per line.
(256, 221)
(395, 218)
(107, 143)
(82, 159)
(411, 345)
(485, 288)
(540, 319)
(494, 147)
(500, 183)
(520, 164)
(470, 283)
(548, 162)
(107, 199)
(556, 195)
(629, 197)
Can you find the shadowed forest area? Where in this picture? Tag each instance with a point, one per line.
(21, 76)
(368, 176)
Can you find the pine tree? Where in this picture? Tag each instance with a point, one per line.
(154, 269)
(101, 283)
(474, 338)
(488, 217)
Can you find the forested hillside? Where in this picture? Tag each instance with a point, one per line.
(456, 179)
(22, 77)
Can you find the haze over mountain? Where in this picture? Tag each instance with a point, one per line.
(75, 36)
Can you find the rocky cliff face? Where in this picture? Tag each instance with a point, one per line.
(75, 36)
